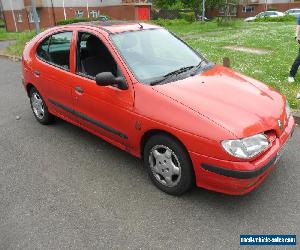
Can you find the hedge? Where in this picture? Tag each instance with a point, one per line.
(75, 20)
(286, 18)
(168, 22)
(188, 16)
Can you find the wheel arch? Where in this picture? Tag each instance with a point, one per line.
(29, 86)
(150, 133)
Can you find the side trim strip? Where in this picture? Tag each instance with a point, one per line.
(238, 174)
(88, 119)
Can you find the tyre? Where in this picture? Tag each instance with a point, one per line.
(39, 108)
(168, 164)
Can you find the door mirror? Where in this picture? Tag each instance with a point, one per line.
(107, 79)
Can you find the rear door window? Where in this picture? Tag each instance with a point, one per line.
(56, 50)
(43, 49)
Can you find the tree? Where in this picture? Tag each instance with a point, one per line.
(168, 4)
(196, 5)
(193, 4)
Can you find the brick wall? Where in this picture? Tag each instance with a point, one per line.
(126, 12)
(15, 26)
(261, 8)
(48, 16)
(45, 14)
(257, 9)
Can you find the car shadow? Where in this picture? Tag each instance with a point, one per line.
(95, 142)
(195, 197)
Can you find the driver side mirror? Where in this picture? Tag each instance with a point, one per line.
(108, 79)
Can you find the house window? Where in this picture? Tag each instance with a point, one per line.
(229, 9)
(31, 17)
(248, 8)
(94, 14)
(79, 13)
(222, 10)
(19, 18)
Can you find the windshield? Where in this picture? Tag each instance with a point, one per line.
(155, 54)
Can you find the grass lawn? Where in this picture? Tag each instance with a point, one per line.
(7, 35)
(21, 39)
(278, 38)
(210, 39)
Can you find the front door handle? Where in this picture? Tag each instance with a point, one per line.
(79, 89)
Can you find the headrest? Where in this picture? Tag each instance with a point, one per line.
(94, 45)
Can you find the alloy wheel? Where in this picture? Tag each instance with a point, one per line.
(37, 105)
(165, 165)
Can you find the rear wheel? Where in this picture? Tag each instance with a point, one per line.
(168, 164)
(39, 107)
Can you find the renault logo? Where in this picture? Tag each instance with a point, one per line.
(280, 124)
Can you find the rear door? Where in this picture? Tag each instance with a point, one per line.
(52, 72)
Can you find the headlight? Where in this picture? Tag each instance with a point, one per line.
(288, 110)
(248, 147)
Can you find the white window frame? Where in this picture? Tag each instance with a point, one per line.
(20, 17)
(31, 18)
(222, 10)
(94, 13)
(248, 7)
(79, 13)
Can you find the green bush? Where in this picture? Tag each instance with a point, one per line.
(286, 18)
(223, 22)
(2, 24)
(21, 39)
(188, 16)
(168, 22)
(75, 20)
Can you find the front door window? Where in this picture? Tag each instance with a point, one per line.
(93, 56)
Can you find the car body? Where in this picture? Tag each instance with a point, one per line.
(186, 120)
(103, 18)
(201, 18)
(292, 12)
(264, 14)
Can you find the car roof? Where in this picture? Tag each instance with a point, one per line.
(115, 26)
(267, 11)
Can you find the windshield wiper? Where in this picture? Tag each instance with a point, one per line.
(197, 67)
(173, 73)
(179, 71)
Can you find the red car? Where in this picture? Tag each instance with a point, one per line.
(145, 91)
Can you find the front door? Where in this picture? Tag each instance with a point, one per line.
(106, 110)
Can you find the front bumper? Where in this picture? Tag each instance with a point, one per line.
(238, 178)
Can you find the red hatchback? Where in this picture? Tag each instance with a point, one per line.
(145, 91)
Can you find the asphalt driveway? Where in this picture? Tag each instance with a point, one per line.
(63, 188)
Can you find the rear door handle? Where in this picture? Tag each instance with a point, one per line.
(79, 89)
(37, 73)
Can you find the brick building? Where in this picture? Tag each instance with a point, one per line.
(247, 8)
(18, 16)
(253, 7)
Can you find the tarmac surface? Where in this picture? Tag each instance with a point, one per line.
(63, 188)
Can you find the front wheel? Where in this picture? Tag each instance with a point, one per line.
(39, 107)
(168, 165)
